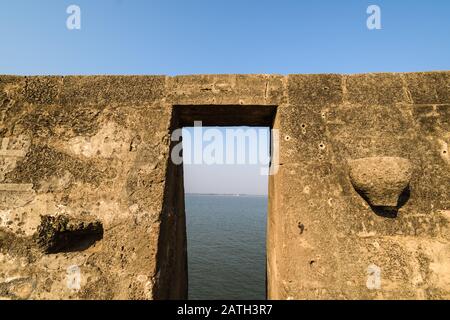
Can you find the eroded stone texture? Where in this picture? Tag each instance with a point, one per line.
(99, 146)
(96, 146)
(369, 116)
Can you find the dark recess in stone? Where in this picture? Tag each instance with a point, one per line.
(65, 234)
(226, 115)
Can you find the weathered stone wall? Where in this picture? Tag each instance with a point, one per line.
(92, 147)
(95, 150)
(331, 119)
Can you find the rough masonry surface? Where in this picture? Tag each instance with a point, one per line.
(88, 156)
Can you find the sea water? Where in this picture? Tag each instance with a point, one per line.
(226, 237)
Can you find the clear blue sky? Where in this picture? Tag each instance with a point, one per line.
(244, 178)
(223, 36)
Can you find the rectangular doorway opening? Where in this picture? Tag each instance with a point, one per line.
(226, 159)
(226, 210)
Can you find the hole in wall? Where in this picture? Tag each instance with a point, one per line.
(65, 234)
(226, 212)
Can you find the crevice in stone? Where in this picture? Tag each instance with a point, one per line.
(64, 234)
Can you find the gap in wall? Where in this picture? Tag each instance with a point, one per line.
(226, 212)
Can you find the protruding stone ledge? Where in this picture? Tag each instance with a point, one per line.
(381, 180)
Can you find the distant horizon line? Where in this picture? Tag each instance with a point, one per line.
(225, 194)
